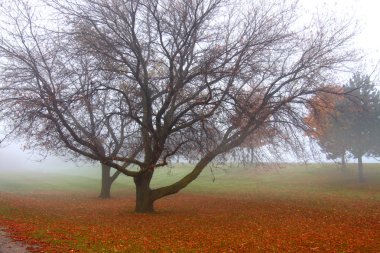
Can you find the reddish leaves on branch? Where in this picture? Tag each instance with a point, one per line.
(248, 105)
(322, 107)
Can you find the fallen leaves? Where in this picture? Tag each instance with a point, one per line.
(190, 223)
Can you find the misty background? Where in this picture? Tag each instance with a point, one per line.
(13, 156)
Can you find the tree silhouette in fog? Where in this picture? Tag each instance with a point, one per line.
(109, 77)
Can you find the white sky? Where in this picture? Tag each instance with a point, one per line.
(367, 15)
(365, 12)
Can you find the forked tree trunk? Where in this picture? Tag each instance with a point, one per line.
(360, 169)
(105, 191)
(144, 200)
(107, 180)
(145, 197)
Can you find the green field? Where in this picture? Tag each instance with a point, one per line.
(312, 180)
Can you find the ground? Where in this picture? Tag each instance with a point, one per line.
(291, 209)
(8, 245)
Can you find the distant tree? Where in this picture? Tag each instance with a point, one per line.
(166, 75)
(347, 122)
(360, 111)
(323, 126)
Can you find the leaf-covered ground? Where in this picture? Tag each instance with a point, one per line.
(298, 219)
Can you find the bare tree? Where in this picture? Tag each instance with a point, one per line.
(170, 76)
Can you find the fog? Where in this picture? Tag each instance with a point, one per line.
(13, 157)
(366, 16)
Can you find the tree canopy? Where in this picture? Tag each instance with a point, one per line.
(324, 126)
(349, 122)
(108, 77)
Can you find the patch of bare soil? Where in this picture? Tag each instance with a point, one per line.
(7, 245)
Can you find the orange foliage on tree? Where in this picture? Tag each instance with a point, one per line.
(323, 110)
(323, 106)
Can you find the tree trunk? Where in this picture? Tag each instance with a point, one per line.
(252, 155)
(107, 181)
(105, 192)
(343, 161)
(144, 200)
(182, 183)
(360, 169)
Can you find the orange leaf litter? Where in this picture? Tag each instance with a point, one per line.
(192, 223)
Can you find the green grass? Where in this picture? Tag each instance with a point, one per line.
(285, 181)
(75, 179)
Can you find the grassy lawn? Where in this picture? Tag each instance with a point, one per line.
(294, 208)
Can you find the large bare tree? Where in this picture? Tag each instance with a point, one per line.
(166, 75)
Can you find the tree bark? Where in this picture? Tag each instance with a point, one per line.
(182, 183)
(360, 169)
(144, 200)
(105, 191)
(107, 181)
